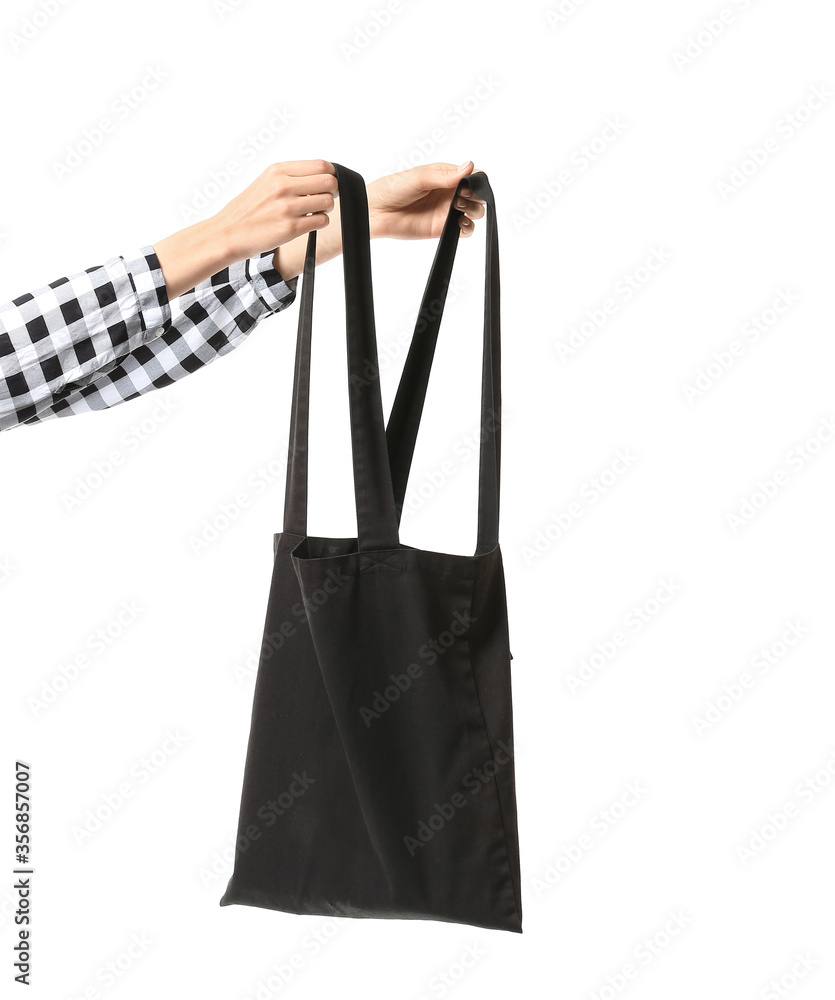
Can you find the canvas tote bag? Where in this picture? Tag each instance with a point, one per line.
(379, 773)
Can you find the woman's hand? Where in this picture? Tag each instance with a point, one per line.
(290, 199)
(410, 205)
(413, 204)
(272, 211)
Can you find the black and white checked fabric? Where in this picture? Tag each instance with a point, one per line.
(110, 333)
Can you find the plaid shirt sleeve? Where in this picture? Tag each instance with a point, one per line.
(105, 335)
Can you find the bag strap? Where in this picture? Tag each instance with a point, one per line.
(407, 409)
(381, 467)
(376, 519)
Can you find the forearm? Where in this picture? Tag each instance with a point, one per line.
(206, 322)
(193, 254)
(56, 339)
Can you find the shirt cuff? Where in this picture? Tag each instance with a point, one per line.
(271, 288)
(146, 276)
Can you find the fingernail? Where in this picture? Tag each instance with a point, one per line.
(463, 166)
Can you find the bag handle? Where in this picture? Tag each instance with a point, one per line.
(388, 486)
(407, 409)
(377, 526)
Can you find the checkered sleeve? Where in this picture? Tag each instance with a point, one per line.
(94, 340)
(63, 333)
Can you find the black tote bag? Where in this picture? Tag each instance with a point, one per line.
(379, 774)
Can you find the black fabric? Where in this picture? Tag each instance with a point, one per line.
(379, 775)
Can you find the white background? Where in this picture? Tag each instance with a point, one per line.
(705, 793)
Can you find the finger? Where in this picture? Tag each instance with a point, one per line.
(303, 168)
(475, 209)
(465, 192)
(467, 226)
(313, 203)
(313, 184)
(429, 176)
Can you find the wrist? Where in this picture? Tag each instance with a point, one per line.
(218, 234)
(189, 256)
